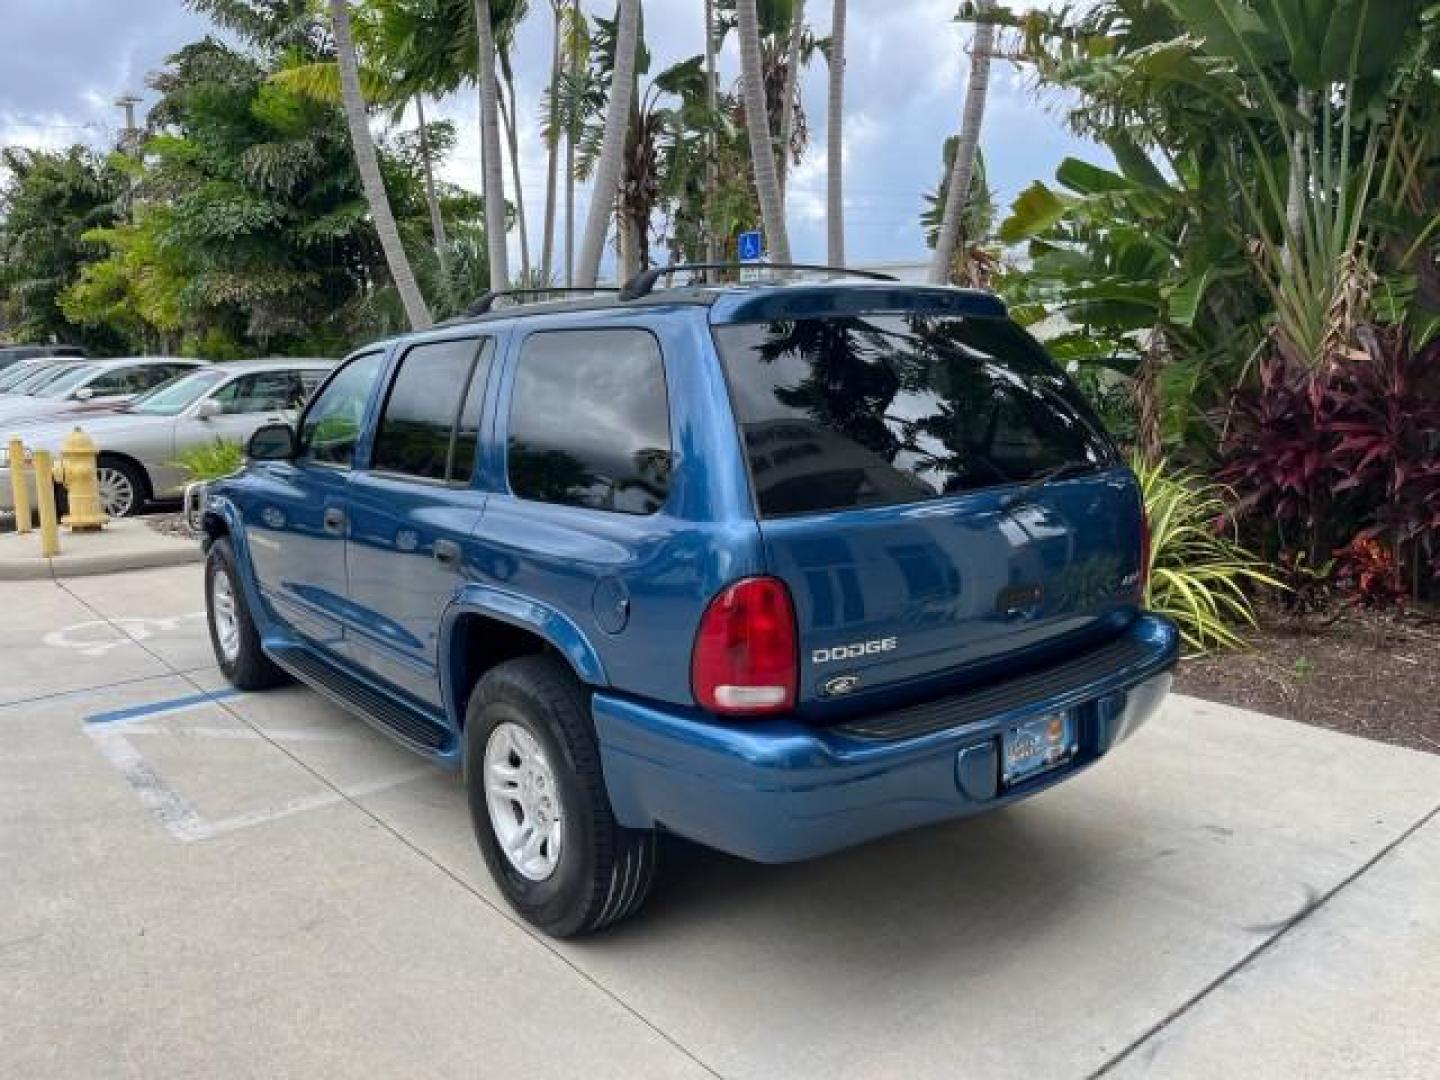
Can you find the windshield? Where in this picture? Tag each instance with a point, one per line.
(175, 396)
(42, 378)
(19, 373)
(876, 410)
(60, 387)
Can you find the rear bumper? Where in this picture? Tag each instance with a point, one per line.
(780, 791)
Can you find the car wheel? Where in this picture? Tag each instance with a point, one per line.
(539, 806)
(232, 631)
(122, 487)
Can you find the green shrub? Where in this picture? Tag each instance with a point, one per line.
(221, 458)
(1198, 569)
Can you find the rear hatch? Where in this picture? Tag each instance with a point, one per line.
(933, 490)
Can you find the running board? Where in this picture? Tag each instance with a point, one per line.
(407, 723)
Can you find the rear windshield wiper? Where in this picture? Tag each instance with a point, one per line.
(1026, 493)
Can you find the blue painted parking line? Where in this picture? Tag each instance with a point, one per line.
(168, 705)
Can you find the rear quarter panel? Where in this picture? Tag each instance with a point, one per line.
(664, 567)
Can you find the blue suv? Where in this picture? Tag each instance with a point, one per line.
(778, 567)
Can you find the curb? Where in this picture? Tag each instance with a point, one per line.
(160, 551)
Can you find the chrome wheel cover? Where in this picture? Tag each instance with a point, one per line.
(225, 614)
(117, 493)
(523, 801)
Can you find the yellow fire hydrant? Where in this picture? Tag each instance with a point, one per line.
(76, 470)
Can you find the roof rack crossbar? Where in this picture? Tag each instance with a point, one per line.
(643, 283)
(485, 301)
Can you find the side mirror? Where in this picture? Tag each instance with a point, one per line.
(207, 409)
(273, 442)
(85, 393)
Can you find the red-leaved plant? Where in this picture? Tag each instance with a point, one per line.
(1353, 451)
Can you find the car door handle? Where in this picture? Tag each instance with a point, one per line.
(334, 520)
(447, 552)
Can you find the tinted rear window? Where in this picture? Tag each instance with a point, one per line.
(883, 409)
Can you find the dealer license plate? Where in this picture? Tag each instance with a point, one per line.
(1036, 746)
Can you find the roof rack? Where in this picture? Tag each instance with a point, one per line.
(643, 283)
(483, 303)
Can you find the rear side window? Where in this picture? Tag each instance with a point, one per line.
(420, 432)
(877, 410)
(590, 421)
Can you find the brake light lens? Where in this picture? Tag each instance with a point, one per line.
(744, 661)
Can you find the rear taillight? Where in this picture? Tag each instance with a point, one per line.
(1144, 552)
(744, 658)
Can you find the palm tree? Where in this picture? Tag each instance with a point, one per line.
(757, 124)
(607, 170)
(835, 143)
(368, 165)
(787, 100)
(432, 195)
(712, 90)
(552, 142)
(511, 16)
(964, 167)
(494, 185)
(577, 46)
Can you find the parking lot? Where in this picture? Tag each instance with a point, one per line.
(203, 883)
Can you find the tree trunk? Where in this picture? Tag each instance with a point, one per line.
(835, 143)
(509, 117)
(963, 168)
(1299, 180)
(494, 186)
(368, 165)
(552, 158)
(787, 101)
(607, 170)
(757, 123)
(432, 197)
(712, 237)
(570, 135)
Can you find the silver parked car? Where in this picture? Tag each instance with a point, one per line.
(141, 441)
(92, 384)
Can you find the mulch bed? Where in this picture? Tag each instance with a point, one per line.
(1377, 676)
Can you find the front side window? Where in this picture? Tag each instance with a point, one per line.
(331, 425)
(590, 421)
(875, 410)
(419, 432)
(262, 392)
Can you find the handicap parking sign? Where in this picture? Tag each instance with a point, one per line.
(752, 246)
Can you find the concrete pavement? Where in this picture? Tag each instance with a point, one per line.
(198, 883)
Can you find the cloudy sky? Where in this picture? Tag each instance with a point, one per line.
(63, 63)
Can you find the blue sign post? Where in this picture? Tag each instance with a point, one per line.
(751, 246)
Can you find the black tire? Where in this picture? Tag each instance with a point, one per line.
(604, 871)
(249, 668)
(133, 475)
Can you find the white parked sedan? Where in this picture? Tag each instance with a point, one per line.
(140, 442)
(89, 384)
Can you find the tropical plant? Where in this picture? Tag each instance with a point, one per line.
(52, 202)
(1351, 451)
(976, 260)
(212, 461)
(368, 164)
(1198, 569)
